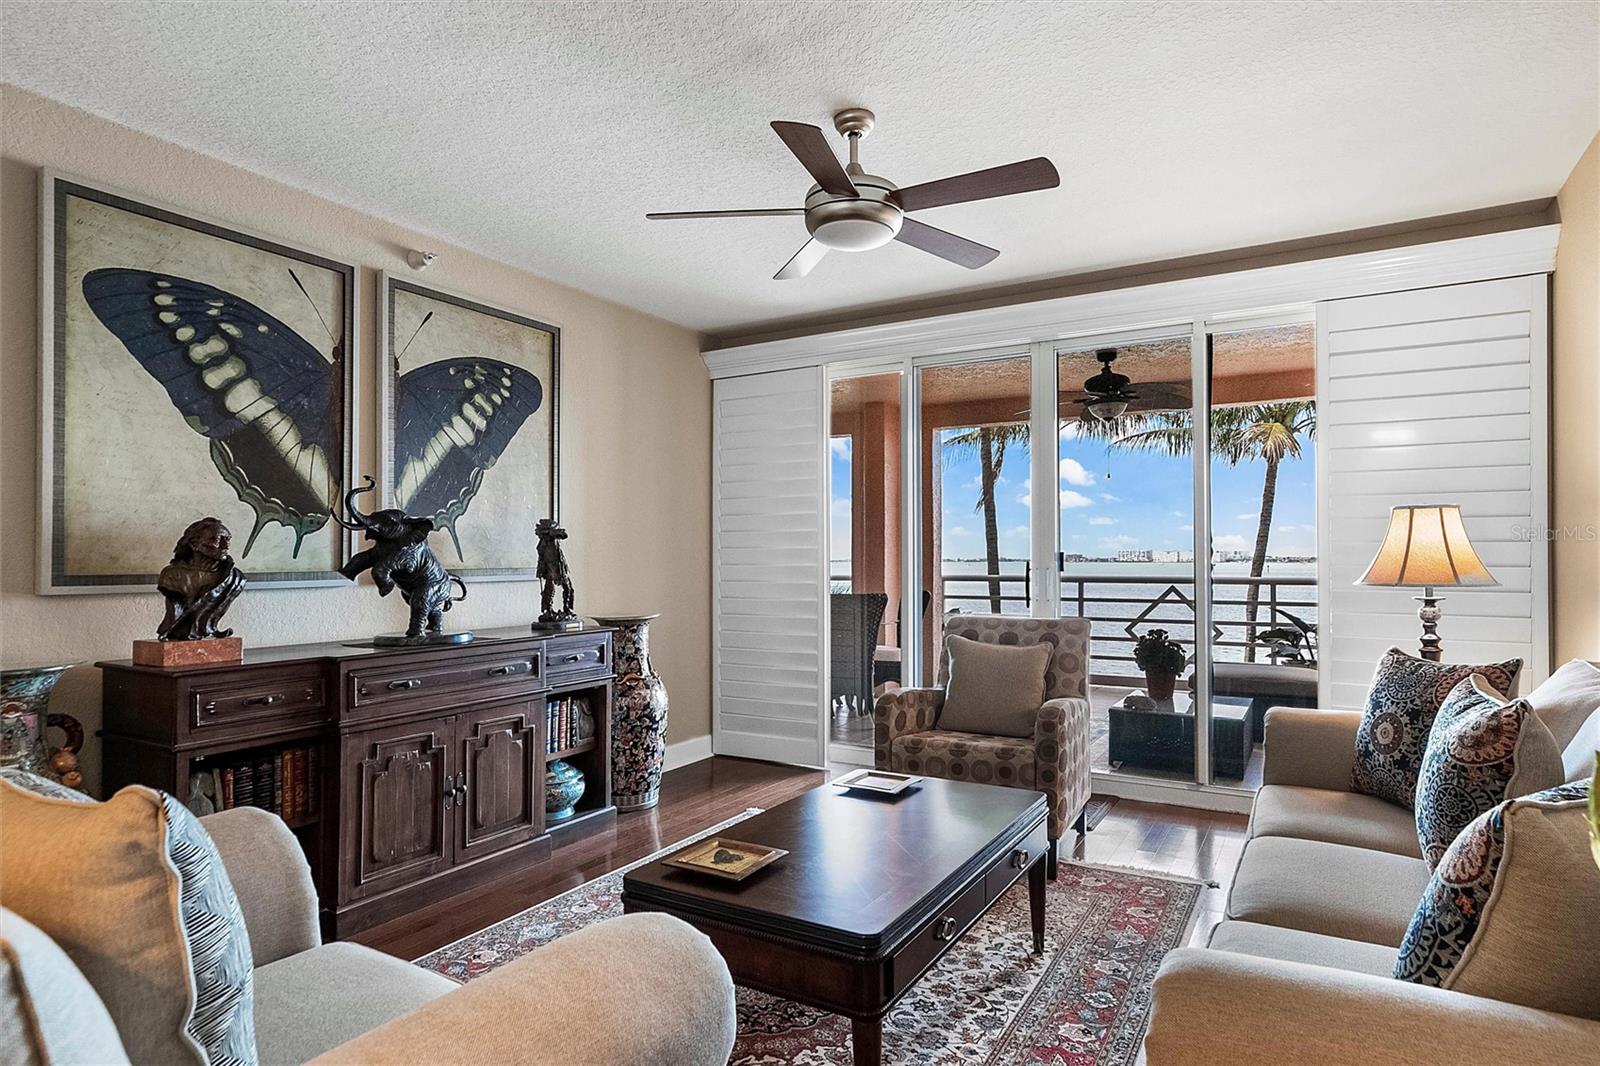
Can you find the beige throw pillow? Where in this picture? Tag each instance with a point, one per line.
(135, 894)
(994, 688)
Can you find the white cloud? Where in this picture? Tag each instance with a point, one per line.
(840, 446)
(1069, 498)
(1178, 514)
(1188, 529)
(1228, 543)
(1123, 541)
(1075, 499)
(1247, 517)
(1073, 473)
(956, 532)
(975, 484)
(1102, 520)
(1106, 496)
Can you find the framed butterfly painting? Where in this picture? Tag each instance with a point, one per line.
(469, 416)
(187, 369)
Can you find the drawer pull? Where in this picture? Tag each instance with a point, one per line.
(264, 701)
(404, 683)
(509, 668)
(1019, 859)
(947, 929)
(573, 658)
(210, 708)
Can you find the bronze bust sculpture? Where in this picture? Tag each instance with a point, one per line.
(551, 569)
(200, 583)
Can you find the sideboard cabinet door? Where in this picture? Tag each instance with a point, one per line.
(399, 805)
(502, 802)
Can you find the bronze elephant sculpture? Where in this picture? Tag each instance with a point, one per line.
(400, 558)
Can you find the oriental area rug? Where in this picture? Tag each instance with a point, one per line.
(988, 1000)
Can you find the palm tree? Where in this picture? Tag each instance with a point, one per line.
(989, 443)
(1262, 432)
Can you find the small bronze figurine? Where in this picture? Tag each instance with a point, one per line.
(400, 558)
(200, 583)
(551, 570)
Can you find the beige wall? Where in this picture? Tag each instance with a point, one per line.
(635, 410)
(1575, 392)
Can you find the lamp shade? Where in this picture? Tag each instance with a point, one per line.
(1427, 546)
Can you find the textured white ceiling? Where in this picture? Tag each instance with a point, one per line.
(540, 134)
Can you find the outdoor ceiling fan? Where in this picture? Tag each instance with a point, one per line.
(1107, 394)
(852, 211)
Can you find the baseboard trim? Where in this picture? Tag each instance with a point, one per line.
(1176, 793)
(685, 752)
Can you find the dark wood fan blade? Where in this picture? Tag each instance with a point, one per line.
(761, 212)
(810, 146)
(809, 255)
(957, 250)
(1026, 176)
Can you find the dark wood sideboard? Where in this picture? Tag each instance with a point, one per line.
(430, 760)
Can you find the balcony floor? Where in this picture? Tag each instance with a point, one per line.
(856, 731)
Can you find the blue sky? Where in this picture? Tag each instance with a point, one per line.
(1110, 499)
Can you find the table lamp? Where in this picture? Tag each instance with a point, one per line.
(1427, 547)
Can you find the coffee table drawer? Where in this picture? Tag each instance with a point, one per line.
(1004, 874)
(939, 933)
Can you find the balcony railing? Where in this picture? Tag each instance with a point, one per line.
(1122, 605)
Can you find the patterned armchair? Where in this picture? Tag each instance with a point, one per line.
(1055, 760)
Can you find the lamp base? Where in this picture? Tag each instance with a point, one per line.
(1432, 648)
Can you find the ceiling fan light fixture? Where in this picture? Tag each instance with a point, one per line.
(1106, 410)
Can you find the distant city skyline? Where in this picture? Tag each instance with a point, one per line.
(1111, 500)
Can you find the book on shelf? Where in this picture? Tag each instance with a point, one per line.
(569, 721)
(283, 781)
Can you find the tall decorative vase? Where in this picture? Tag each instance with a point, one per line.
(638, 716)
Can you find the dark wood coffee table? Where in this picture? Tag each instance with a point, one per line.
(874, 889)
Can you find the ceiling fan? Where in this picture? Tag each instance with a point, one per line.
(850, 210)
(1108, 394)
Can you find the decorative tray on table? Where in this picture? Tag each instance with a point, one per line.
(882, 782)
(732, 860)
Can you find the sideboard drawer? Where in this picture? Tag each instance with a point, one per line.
(255, 702)
(371, 690)
(577, 657)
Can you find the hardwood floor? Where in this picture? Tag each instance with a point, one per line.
(1175, 840)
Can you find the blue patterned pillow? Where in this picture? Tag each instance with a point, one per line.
(1405, 697)
(1453, 912)
(1482, 749)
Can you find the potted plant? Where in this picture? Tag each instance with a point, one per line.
(1162, 659)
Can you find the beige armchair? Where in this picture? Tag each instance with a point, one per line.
(1055, 760)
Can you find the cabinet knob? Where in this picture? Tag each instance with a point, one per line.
(404, 683)
(1019, 859)
(947, 929)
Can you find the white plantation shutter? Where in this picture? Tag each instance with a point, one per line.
(769, 575)
(1433, 396)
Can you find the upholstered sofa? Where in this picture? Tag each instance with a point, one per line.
(596, 995)
(1301, 970)
(907, 737)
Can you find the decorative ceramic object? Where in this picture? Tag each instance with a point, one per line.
(638, 716)
(24, 717)
(563, 788)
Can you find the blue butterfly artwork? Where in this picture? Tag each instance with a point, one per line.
(267, 401)
(453, 420)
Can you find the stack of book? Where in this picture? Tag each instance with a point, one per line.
(569, 721)
(283, 781)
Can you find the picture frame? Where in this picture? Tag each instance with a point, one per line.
(260, 434)
(480, 454)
